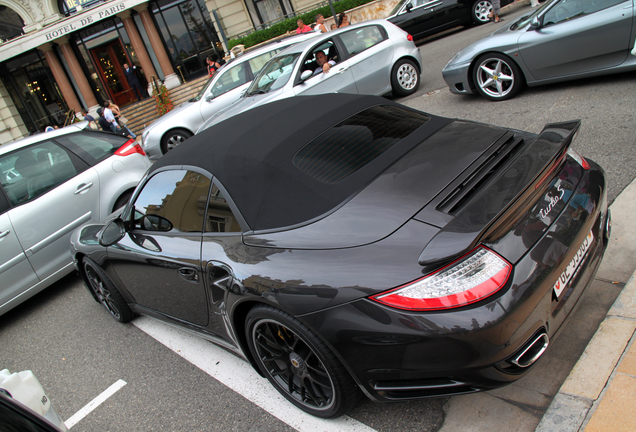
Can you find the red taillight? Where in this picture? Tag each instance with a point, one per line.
(471, 278)
(131, 147)
(409, 37)
(580, 159)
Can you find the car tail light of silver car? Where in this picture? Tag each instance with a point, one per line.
(130, 147)
(467, 280)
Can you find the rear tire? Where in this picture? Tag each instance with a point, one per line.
(480, 11)
(299, 364)
(405, 78)
(105, 291)
(173, 138)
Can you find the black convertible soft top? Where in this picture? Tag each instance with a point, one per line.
(255, 155)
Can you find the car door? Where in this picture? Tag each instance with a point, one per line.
(220, 253)
(159, 263)
(578, 36)
(339, 79)
(371, 57)
(54, 193)
(16, 274)
(426, 17)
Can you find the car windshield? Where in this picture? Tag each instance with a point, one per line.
(274, 75)
(527, 19)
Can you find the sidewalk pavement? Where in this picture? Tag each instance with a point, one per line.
(599, 393)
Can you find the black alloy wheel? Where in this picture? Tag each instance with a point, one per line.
(105, 291)
(298, 364)
(173, 138)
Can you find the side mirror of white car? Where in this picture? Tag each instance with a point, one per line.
(306, 75)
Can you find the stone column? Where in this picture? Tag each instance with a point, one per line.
(78, 75)
(171, 79)
(60, 77)
(138, 46)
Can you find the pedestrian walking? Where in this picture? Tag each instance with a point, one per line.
(133, 81)
(494, 15)
(114, 126)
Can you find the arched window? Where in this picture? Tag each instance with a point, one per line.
(10, 24)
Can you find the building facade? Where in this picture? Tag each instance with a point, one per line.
(62, 55)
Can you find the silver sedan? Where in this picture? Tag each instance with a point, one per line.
(373, 58)
(225, 87)
(562, 40)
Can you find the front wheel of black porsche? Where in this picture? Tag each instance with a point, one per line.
(105, 291)
(298, 364)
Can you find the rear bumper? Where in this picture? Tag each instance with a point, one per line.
(401, 355)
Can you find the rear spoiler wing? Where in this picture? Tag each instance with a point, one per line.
(541, 158)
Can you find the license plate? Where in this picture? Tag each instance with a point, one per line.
(570, 270)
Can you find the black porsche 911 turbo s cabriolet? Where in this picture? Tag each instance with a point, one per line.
(349, 245)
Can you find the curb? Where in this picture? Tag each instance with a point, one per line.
(599, 373)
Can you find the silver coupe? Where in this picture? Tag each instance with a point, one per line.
(560, 41)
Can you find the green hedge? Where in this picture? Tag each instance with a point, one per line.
(283, 27)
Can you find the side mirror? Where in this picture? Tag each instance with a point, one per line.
(408, 7)
(535, 23)
(209, 97)
(111, 233)
(306, 75)
(155, 223)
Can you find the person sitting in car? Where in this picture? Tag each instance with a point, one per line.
(324, 64)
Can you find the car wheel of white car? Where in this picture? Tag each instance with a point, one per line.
(105, 291)
(496, 77)
(405, 78)
(480, 11)
(173, 138)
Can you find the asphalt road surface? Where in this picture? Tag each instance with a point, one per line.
(173, 381)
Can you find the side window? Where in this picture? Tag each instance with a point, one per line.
(567, 10)
(257, 63)
(361, 39)
(231, 79)
(219, 216)
(179, 196)
(92, 147)
(33, 171)
(328, 48)
(4, 204)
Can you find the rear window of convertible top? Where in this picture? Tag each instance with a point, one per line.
(350, 145)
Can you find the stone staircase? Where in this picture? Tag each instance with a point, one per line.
(141, 114)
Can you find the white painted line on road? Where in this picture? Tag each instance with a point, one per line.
(94, 404)
(239, 376)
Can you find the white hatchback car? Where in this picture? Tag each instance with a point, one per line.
(50, 184)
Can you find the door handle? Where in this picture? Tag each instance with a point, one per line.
(342, 70)
(189, 274)
(83, 187)
(3, 234)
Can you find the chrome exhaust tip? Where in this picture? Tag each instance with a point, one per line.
(531, 353)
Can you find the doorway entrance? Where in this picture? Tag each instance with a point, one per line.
(110, 59)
